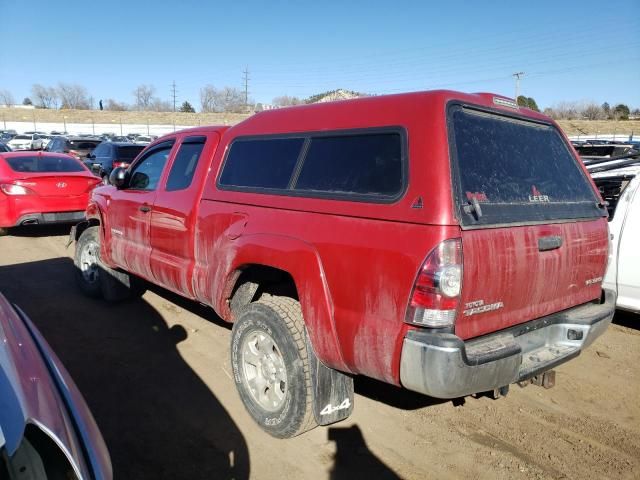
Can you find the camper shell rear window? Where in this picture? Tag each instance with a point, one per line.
(514, 170)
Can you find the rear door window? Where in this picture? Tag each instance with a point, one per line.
(512, 170)
(185, 163)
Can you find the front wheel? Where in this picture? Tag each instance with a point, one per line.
(271, 366)
(87, 262)
(96, 279)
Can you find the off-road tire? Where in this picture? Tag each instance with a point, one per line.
(89, 283)
(281, 319)
(112, 285)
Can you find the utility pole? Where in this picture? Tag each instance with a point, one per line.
(173, 94)
(245, 78)
(517, 76)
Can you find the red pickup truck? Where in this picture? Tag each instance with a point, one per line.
(448, 243)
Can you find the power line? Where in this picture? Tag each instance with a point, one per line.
(506, 38)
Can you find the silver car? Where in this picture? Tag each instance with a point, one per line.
(26, 142)
(46, 428)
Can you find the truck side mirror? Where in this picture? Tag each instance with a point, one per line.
(119, 177)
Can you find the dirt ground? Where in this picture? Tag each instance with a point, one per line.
(155, 373)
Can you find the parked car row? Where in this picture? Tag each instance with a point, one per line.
(8, 135)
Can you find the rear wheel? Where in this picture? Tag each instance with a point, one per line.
(271, 366)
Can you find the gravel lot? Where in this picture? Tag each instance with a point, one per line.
(155, 372)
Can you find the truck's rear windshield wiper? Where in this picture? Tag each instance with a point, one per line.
(473, 206)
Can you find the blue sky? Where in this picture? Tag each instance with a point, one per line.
(569, 50)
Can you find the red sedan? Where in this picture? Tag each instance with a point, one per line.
(40, 188)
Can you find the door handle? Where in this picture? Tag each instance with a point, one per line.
(549, 243)
(145, 208)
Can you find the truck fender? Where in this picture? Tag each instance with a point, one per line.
(302, 261)
(93, 216)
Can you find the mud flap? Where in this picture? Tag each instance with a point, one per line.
(73, 235)
(332, 391)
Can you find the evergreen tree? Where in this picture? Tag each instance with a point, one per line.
(186, 107)
(621, 112)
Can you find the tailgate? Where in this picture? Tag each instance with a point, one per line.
(513, 275)
(534, 230)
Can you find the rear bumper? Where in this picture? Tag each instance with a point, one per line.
(442, 365)
(16, 210)
(50, 218)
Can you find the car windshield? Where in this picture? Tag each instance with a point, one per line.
(44, 164)
(22, 137)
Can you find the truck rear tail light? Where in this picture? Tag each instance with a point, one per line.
(436, 292)
(13, 189)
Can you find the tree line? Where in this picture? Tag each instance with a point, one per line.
(590, 111)
(233, 100)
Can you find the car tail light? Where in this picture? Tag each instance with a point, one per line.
(118, 163)
(14, 189)
(74, 154)
(436, 292)
(93, 183)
